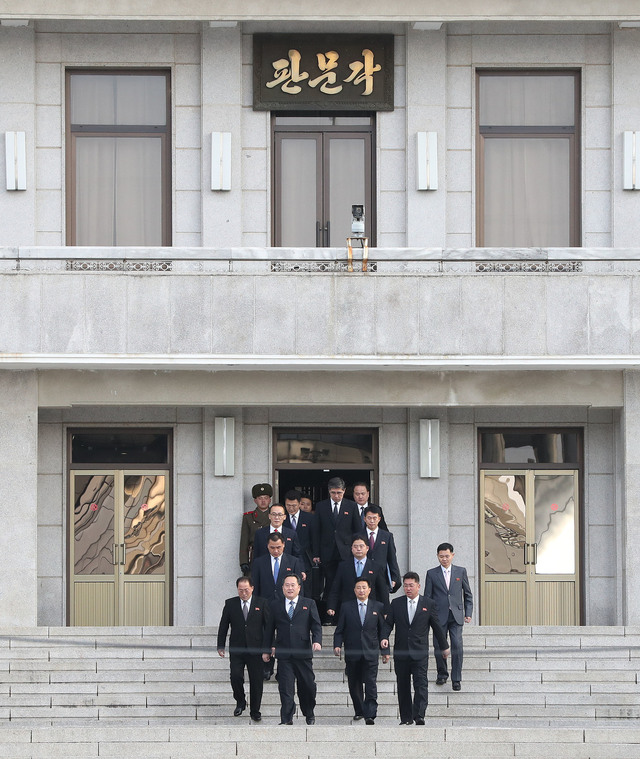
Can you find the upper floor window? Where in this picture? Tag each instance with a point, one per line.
(323, 164)
(528, 180)
(118, 157)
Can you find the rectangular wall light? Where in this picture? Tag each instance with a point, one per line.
(16, 160)
(429, 448)
(220, 160)
(224, 445)
(427, 160)
(631, 147)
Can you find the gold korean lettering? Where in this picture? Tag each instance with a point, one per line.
(363, 71)
(287, 73)
(327, 63)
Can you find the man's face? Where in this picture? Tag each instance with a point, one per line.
(359, 549)
(276, 516)
(445, 558)
(336, 494)
(411, 588)
(360, 495)
(306, 505)
(371, 520)
(276, 548)
(262, 502)
(293, 507)
(245, 589)
(291, 587)
(362, 591)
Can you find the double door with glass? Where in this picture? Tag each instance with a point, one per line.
(530, 547)
(119, 569)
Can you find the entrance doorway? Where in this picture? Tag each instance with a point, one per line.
(119, 528)
(307, 459)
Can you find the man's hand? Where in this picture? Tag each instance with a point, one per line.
(316, 560)
(445, 653)
(337, 650)
(266, 657)
(385, 658)
(316, 647)
(303, 575)
(331, 612)
(244, 568)
(467, 619)
(384, 643)
(221, 652)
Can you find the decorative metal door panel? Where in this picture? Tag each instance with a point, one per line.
(530, 547)
(118, 557)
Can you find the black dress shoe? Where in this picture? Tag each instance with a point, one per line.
(441, 680)
(238, 710)
(407, 722)
(456, 685)
(256, 717)
(369, 721)
(358, 716)
(311, 720)
(419, 721)
(290, 722)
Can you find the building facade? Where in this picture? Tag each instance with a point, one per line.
(181, 320)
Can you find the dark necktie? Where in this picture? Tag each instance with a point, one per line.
(291, 609)
(245, 611)
(372, 541)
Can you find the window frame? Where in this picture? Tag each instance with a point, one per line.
(572, 133)
(73, 131)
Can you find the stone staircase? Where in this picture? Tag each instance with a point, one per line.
(120, 692)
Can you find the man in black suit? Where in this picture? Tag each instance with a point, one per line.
(361, 497)
(358, 565)
(412, 617)
(336, 520)
(294, 633)
(248, 615)
(277, 514)
(360, 627)
(382, 547)
(449, 587)
(301, 523)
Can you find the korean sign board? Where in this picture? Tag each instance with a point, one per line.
(338, 72)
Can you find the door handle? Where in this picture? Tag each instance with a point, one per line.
(526, 554)
(535, 553)
(318, 235)
(327, 240)
(114, 553)
(122, 554)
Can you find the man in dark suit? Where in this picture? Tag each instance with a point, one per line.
(336, 520)
(301, 523)
(449, 587)
(248, 615)
(294, 633)
(361, 497)
(358, 565)
(277, 516)
(412, 617)
(360, 627)
(382, 547)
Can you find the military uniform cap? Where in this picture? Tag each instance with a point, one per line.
(262, 488)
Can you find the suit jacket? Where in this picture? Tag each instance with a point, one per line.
(332, 541)
(291, 545)
(246, 635)
(412, 640)
(293, 638)
(304, 533)
(345, 579)
(382, 524)
(263, 584)
(457, 597)
(360, 641)
(384, 554)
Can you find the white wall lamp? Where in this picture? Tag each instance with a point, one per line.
(427, 26)
(16, 160)
(429, 448)
(220, 160)
(631, 161)
(427, 160)
(224, 440)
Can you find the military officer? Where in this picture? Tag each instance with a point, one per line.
(253, 521)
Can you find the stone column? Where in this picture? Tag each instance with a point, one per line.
(631, 499)
(18, 498)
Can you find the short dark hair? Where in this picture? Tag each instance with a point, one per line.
(362, 579)
(411, 576)
(278, 504)
(373, 509)
(273, 536)
(337, 482)
(359, 536)
(444, 547)
(362, 484)
(293, 495)
(293, 574)
(244, 579)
